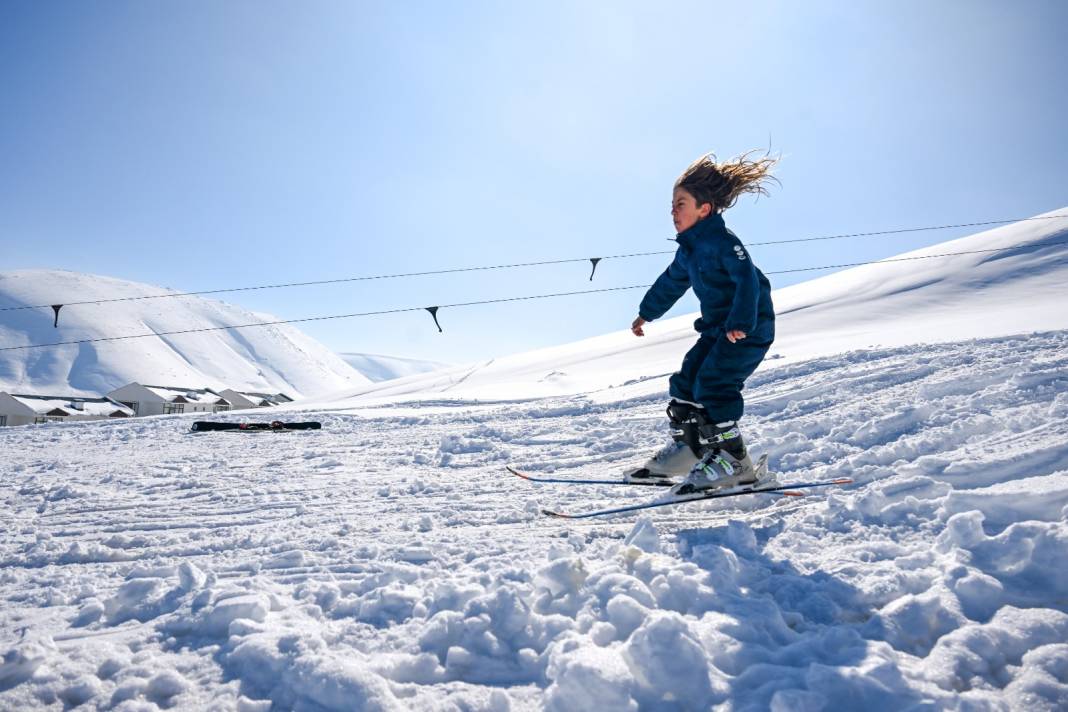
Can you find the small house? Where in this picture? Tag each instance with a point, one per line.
(19, 409)
(164, 400)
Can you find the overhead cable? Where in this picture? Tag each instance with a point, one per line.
(514, 265)
(434, 310)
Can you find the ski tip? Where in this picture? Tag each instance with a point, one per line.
(791, 493)
(557, 515)
(842, 481)
(516, 472)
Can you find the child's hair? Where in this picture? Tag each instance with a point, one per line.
(721, 183)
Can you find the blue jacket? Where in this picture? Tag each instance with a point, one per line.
(734, 294)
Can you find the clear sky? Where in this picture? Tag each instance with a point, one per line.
(200, 145)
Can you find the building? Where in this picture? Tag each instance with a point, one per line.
(130, 400)
(16, 409)
(244, 399)
(164, 400)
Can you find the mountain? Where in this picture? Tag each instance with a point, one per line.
(991, 292)
(264, 359)
(385, 368)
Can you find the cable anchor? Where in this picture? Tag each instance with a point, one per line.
(434, 313)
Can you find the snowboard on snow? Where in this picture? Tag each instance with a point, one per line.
(202, 426)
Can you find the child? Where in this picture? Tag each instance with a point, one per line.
(737, 326)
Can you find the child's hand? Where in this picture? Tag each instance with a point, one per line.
(735, 336)
(636, 327)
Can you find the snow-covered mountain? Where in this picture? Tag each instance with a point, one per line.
(264, 359)
(892, 303)
(385, 368)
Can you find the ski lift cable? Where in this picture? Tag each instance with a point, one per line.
(504, 300)
(595, 260)
(324, 318)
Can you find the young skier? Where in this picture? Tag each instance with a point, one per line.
(737, 326)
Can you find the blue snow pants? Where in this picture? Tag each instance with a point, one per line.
(714, 371)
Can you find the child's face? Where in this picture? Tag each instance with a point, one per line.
(684, 210)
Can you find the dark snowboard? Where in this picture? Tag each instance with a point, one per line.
(202, 426)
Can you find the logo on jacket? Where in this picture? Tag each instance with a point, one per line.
(739, 252)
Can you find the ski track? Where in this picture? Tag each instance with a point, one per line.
(390, 562)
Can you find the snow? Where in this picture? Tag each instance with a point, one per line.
(267, 359)
(192, 395)
(388, 561)
(385, 368)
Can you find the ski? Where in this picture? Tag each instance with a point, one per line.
(761, 473)
(785, 490)
(578, 481)
(202, 426)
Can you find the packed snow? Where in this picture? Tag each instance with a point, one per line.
(275, 359)
(389, 561)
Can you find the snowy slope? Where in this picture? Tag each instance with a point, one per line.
(385, 368)
(940, 299)
(890, 304)
(264, 359)
(388, 562)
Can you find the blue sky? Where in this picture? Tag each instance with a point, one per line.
(199, 145)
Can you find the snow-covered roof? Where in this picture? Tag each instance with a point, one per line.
(189, 395)
(45, 405)
(271, 398)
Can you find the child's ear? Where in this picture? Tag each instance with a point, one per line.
(704, 210)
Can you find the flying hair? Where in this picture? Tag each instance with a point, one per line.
(720, 184)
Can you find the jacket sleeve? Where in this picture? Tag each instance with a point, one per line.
(736, 261)
(667, 290)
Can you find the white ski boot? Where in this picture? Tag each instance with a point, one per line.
(718, 469)
(673, 461)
